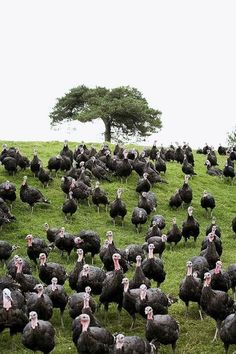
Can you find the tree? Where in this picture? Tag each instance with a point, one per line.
(232, 137)
(123, 110)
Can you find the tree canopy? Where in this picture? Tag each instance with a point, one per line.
(124, 111)
(232, 137)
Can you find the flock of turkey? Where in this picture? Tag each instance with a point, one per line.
(27, 301)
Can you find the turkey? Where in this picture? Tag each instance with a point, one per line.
(58, 296)
(12, 267)
(200, 266)
(216, 227)
(161, 329)
(47, 271)
(217, 241)
(160, 164)
(98, 171)
(234, 224)
(35, 246)
(12, 310)
(159, 220)
(232, 274)
(69, 206)
(99, 197)
(139, 277)
(10, 164)
(74, 274)
(210, 252)
(35, 163)
(228, 331)
(44, 176)
(132, 344)
(139, 217)
(8, 192)
(51, 232)
(143, 184)
(118, 207)
(107, 252)
(229, 172)
(133, 250)
(215, 303)
(54, 163)
(175, 200)
(190, 227)
(221, 150)
(5, 210)
(154, 230)
(38, 334)
(187, 167)
(89, 241)
(91, 276)
(159, 243)
(64, 242)
(22, 161)
(185, 191)
(153, 151)
(213, 171)
(179, 154)
(31, 195)
(112, 289)
(174, 235)
(27, 281)
(211, 156)
(93, 340)
(208, 202)
(76, 303)
(190, 288)
(66, 151)
(40, 302)
(147, 201)
(76, 325)
(80, 191)
(66, 182)
(220, 280)
(153, 267)
(124, 167)
(6, 250)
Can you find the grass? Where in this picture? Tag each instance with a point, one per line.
(195, 335)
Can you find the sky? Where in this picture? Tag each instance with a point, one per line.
(180, 54)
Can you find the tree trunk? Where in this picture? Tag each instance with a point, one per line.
(107, 132)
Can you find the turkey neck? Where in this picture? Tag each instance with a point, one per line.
(85, 326)
(30, 242)
(34, 323)
(150, 253)
(19, 268)
(116, 265)
(6, 303)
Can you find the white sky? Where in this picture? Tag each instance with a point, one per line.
(180, 54)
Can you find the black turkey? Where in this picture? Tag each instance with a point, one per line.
(44, 176)
(228, 331)
(58, 296)
(160, 164)
(190, 288)
(38, 334)
(213, 171)
(69, 206)
(8, 192)
(118, 207)
(215, 303)
(163, 329)
(190, 227)
(143, 184)
(208, 202)
(51, 232)
(200, 266)
(187, 167)
(185, 191)
(220, 280)
(89, 241)
(210, 252)
(153, 267)
(216, 227)
(35, 163)
(132, 344)
(139, 277)
(175, 200)
(74, 274)
(76, 303)
(139, 217)
(124, 167)
(40, 302)
(64, 242)
(10, 164)
(174, 235)
(12, 266)
(66, 151)
(47, 271)
(54, 163)
(6, 250)
(99, 197)
(35, 246)
(31, 195)
(27, 281)
(91, 276)
(147, 201)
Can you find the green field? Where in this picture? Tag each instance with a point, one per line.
(196, 336)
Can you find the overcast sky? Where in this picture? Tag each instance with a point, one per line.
(180, 54)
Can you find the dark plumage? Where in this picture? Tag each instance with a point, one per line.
(160, 164)
(123, 167)
(89, 241)
(200, 266)
(69, 206)
(54, 163)
(74, 274)
(118, 207)
(228, 331)
(132, 344)
(93, 340)
(159, 243)
(64, 242)
(190, 227)
(213, 227)
(215, 303)
(58, 296)
(139, 277)
(8, 191)
(190, 288)
(6, 250)
(139, 217)
(174, 234)
(47, 271)
(175, 200)
(143, 184)
(80, 191)
(35, 246)
(185, 192)
(31, 195)
(40, 302)
(213, 171)
(153, 267)
(161, 329)
(10, 164)
(220, 280)
(99, 197)
(154, 230)
(217, 241)
(11, 266)
(147, 201)
(232, 273)
(35, 164)
(76, 303)
(187, 167)
(27, 281)
(234, 224)
(91, 276)
(132, 251)
(210, 252)
(38, 335)
(51, 232)
(208, 202)
(44, 176)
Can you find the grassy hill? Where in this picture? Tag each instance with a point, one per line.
(196, 336)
